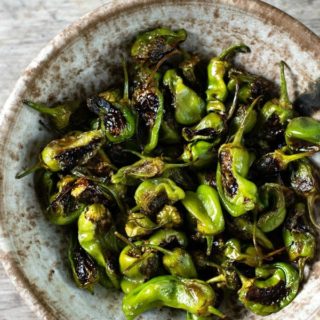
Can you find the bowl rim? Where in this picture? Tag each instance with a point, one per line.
(267, 13)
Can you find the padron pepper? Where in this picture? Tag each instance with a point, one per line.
(59, 114)
(189, 106)
(165, 237)
(192, 295)
(274, 207)
(148, 103)
(298, 237)
(274, 287)
(238, 194)
(217, 90)
(211, 127)
(151, 46)
(151, 195)
(139, 225)
(204, 206)
(137, 264)
(276, 113)
(187, 67)
(199, 154)
(93, 222)
(169, 217)
(303, 134)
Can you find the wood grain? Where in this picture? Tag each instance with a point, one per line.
(26, 26)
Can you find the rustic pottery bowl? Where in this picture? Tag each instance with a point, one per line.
(79, 62)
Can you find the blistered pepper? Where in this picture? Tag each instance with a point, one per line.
(165, 237)
(93, 222)
(303, 134)
(273, 200)
(188, 105)
(274, 287)
(169, 217)
(238, 194)
(192, 295)
(211, 127)
(151, 195)
(138, 225)
(151, 46)
(218, 67)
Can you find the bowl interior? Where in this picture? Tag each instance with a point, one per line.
(82, 61)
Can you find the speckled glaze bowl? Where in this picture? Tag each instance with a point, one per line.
(79, 62)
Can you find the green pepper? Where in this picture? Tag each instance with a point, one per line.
(233, 252)
(275, 114)
(149, 106)
(217, 91)
(92, 224)
(84, 270)
(245, 229)
(118, 122)
(189, 107)
(169, 130)
(276, 161)
(145, 168)
(199, 154)
(151, 46)
(211, 127)
(138, 225)
(187, 67)
(251, 86)
(137, 265)
(238, 118)
(298, 237)
(274, 288)
(72, 150)
(273, 201)
(238, 194)
(303, 134)
(151, 195)
(169, 217)
(59, 115)
(192, 295)
(204, 205)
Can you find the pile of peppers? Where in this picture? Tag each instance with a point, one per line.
(188, 183)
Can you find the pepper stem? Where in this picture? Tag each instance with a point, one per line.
(126, 80)
(42, 108)
(232, 50)
(216, 312)
(125, 240)
(234, 102)
(209, 244)
(284, 98)
(293, 157)
(239, 134)
(28, 171)
(160, 249)
(219, 278)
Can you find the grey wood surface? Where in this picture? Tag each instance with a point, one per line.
(25, 27)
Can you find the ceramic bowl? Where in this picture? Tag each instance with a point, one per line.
(80, 61)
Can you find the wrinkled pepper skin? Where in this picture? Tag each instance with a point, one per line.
(151, 195)
(169, 217)
(189, 107)
(92, 221)
(303, 134)
(117, 118)
(164, 237)
(274, 288)
(204, 205)
(209, 128)
(192, 295)
(139, 225)
(153, 45)
(238, 194)
(71, 150)
(217, 90)
(273, 200)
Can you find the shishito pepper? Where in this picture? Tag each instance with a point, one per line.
(151, 46)
(303, 134)
(93, 222)
(298, 237)
(274, 287)
(276, 113)
(192, 295)
(218, 67)
(188, 105)
(148, 103)
(151, 195)
(238, 194)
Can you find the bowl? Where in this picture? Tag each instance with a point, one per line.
(81, 61)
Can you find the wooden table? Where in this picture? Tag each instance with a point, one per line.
(26, 26)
